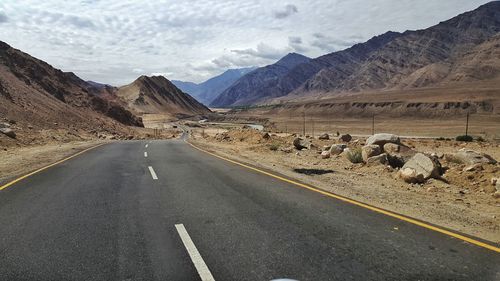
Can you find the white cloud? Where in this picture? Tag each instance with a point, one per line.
(263, 51)
(3, 17)
(114, 41)
(287, 11)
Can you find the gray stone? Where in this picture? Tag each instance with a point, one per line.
(368, 151)
(300, 143)
(423, 168)
(324, 136)
(398, 154)
(337, 149)
(379, 159)
(473, 168)
(411, 176)
(470, 157)
(325, 154)
(345, 138)
(381, 139)
(8, 132)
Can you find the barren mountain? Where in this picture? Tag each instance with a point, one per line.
(256, 85)
(157, 95)
(36, 95)
(207, 91)
(422, 58)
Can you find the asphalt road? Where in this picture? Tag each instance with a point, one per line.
(103, 216)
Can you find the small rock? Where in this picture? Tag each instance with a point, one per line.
(326, 147)
(432, 189)
(337, 149)
(496, 195)
(379, 159)
(300, 143)
(325, 154)
(287, 149)
(8, 132)
(368, 151)
(324, 136)
(4, 125)
(266, 136)
(494, 181)
(473, 168)
(345, 138)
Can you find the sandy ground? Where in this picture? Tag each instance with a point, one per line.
(449, 127)
(465, 204)
(15, 162)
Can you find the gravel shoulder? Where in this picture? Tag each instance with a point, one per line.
(461, 205)
(17, 161)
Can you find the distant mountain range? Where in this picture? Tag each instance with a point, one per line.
(462, 49)
(207, 91)
(35, 95)
(258, 84)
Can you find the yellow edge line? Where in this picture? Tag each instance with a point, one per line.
(345, 199)
(46, 167)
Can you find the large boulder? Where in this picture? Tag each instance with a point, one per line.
(345, 138)
(337, 149)
(398, 154)
(411, 176)
(379, 159)
(300, 143)
(368, 151)
(470, 157)
(381, 139)
(324, 136)
(8, 132)
(422, 167)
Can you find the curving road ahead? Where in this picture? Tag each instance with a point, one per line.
(162, 210)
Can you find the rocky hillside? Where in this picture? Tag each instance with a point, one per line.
(256, 85)
(342, 63)
(157, 95)
(207, 91)
(34, 94)
(464, 48)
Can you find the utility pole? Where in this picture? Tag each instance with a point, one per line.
(304, 123)
(467, 124)
(312, 120)
(373, 124)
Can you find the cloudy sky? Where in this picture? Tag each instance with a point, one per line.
(114, 41)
